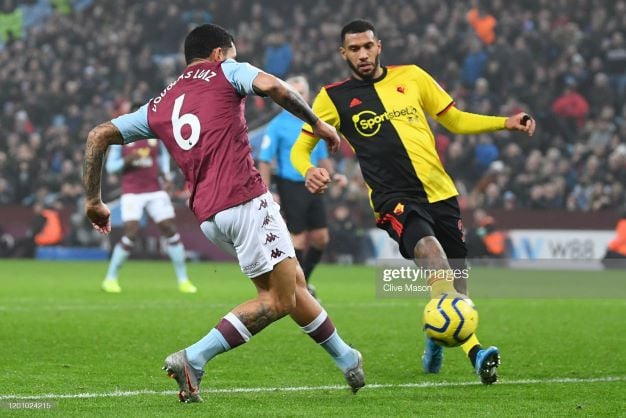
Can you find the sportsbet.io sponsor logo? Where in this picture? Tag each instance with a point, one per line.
(368, 123)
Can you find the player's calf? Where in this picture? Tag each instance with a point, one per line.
(316, 323)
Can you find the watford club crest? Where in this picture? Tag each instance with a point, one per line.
(399, 209)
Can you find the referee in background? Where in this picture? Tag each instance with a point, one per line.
(305, 212)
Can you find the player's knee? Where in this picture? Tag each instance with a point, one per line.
(131, 230)
(168, 228)
(319, 240)
(299, 240)
(284, 303)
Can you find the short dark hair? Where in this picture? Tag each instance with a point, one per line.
(204, 39)
(357, 26)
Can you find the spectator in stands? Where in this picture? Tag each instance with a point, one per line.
(51, 232)
(570, 110)
(483, 23)
(278, 55)
(616, 60)
(484, 240)
(473, 64)
(616, 251)
(6, 192)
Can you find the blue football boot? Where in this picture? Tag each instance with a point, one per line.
(432, 359)
(487, 361)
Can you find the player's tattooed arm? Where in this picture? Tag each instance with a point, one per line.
(294, 103)
(285, 96)
(98, 141)
(258, 318)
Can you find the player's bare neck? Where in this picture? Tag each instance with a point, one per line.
(200, 61)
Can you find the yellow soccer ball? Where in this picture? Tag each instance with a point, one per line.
(450, 320)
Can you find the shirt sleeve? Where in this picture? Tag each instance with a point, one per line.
(301, 152)
(435, 100)
(269, 145)
(240, 75)
(115, 161)
(325, 109)
(460, 122)
(134, 126)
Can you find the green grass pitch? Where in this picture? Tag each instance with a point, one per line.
(64, 341)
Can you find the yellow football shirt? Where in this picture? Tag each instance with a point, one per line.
(384, 120)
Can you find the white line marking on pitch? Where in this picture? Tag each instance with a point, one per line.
(160, 305)
(119, 393)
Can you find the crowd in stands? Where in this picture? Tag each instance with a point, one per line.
(67, 65)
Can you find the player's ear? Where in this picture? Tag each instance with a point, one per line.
(342, 51)
(217, 54)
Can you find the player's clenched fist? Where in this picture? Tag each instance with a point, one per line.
(522, 122)
(316, 180)
(100, 216)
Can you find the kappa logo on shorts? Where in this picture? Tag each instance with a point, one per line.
(276, 253)
(267, 220)
(270, 238)
(263, 204)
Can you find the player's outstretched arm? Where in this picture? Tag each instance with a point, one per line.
(289, 99)
(98, 141)
(460, 122)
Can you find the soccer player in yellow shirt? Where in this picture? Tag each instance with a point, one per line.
(381, 111)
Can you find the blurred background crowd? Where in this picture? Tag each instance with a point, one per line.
(67, 65)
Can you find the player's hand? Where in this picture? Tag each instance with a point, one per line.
(522, 122)
(328, 133)
(316, 180)
(99, 215)
(340, 180)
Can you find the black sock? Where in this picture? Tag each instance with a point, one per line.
(313, 256)
(473, 353)
(300, 256)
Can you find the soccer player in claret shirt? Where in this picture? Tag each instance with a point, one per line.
(382, 113)
(139, 164)
(199, 117)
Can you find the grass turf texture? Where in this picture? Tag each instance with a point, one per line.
(61, 335)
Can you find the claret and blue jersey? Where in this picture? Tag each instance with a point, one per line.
(199, 117)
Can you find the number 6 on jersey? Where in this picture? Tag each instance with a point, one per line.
(179, 121)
